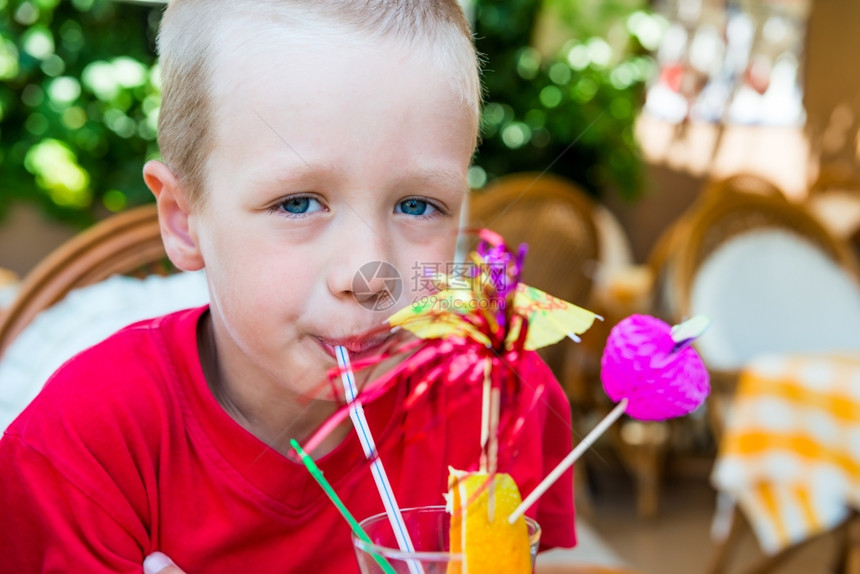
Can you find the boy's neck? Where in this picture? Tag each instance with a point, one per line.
(274, 418)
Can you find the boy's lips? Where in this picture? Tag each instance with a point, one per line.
(356, 345)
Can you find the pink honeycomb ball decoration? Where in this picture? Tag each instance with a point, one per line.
(638, 364)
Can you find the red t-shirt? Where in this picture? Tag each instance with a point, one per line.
(126, 452)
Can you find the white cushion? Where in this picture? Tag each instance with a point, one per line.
(83, 318)
(771, 291)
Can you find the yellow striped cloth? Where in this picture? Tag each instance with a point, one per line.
(790, 455)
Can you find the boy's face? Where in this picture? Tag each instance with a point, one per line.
(329, 156)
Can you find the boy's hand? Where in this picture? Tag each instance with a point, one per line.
(158, 563)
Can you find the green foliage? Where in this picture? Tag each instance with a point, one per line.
(79, 98)
(571, 110)
(79, 102)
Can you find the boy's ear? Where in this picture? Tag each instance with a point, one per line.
(174, 216)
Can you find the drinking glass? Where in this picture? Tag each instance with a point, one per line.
(428, 528)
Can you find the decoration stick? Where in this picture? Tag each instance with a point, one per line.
(353, 523)
(386, 493)
(485, 417)
(583, 445)
(490, 405)
(495, 408)
(493, 447)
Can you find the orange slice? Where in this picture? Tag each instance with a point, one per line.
(479, 525)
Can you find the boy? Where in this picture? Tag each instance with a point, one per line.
(301, 141)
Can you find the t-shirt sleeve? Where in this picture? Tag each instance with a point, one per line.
(555, 508)
(50, 525)
(77, 468)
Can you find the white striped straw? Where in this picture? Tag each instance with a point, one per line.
(356, 413)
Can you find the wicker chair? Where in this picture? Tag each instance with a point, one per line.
(716, 223)
(751, 229)
(106, 277)
(663, 255)
(555, 218)
(557, 221)
(128, 243)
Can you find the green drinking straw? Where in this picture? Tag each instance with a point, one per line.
(353, 523)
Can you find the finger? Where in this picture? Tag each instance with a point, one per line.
(159, 563)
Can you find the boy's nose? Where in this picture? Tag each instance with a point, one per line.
(377, 284)
(364, 269)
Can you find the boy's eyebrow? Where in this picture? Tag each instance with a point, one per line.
(304, 171)
(433, 178)
(436, 178)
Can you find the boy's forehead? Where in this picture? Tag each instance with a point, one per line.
(255, 57)
(323, 102)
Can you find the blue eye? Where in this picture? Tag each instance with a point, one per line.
(414, 206)
(300, 205)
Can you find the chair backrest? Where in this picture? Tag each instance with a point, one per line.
(663, 258)
(556, 219)
(774, 276)
(109, 276)
(743, 182)
(126, 243)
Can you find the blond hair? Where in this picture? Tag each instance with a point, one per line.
(189, 28)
